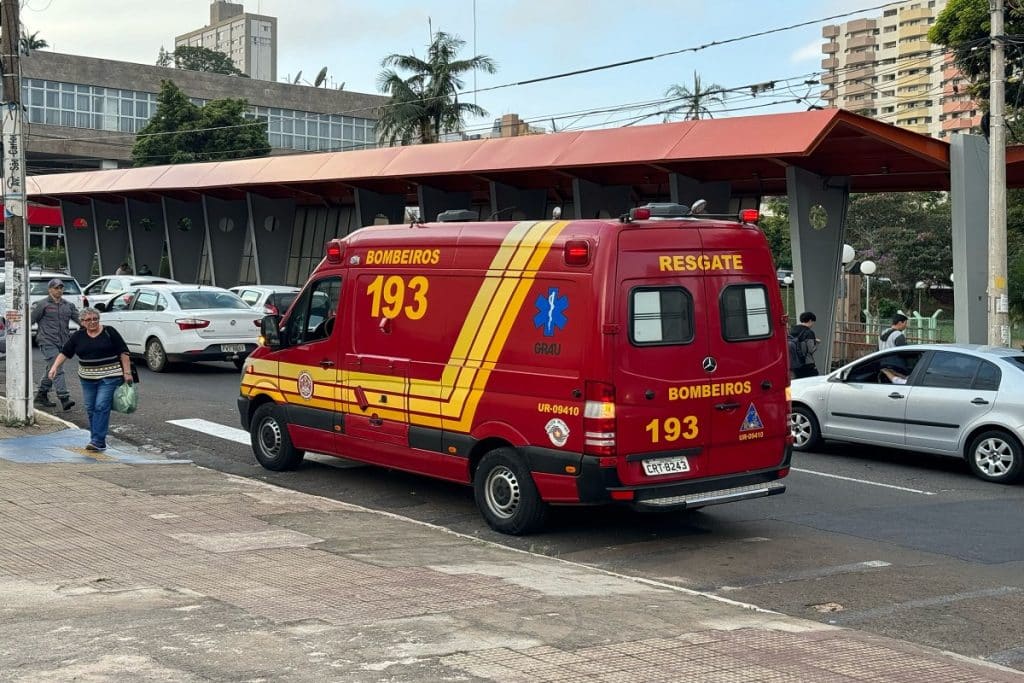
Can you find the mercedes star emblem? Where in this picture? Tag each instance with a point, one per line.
(710, 364)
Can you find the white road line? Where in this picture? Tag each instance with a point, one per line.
(864, 481)
(214, 429)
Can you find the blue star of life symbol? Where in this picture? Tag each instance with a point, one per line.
(551, 312)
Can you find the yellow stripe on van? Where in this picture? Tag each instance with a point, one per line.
(485, 330)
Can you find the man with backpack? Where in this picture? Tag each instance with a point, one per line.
(802, 345)
(895, 335)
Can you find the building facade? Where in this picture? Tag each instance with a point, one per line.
(886, 68)
(250, 40)
(84, 112)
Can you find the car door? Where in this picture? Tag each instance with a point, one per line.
(138, 319)
(951, 394)
(860, 407)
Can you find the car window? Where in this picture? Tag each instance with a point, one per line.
(744, 312)
(309, 317)
(950, 370)
(115, 285)
(146, 301)
(121, 303)
(161, 302)
(282, 300)
(96, 287)
(38, 286)
(988, 377)
(890, 368)
(249, 296)
(660, 315)
(206, 298)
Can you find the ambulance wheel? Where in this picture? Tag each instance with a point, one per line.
(803, 425)
(270, 441)
(506, 494)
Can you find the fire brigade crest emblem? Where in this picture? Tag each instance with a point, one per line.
(557, 431)
(305, 385)
(752, 420)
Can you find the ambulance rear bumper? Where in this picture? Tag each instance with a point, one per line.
(600, 485)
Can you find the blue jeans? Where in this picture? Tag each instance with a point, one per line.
(98, 394)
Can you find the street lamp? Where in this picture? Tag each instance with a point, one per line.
(920, 287)
(867, 269)
(848, 255)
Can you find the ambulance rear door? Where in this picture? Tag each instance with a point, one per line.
(662, 430)
(746, 340)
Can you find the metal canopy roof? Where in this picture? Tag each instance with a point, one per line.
(751, 152)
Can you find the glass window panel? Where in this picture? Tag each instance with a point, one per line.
(349, 132)
(325, 129)
(67, 101)
(35, 115)
(83, 103)
(53, 117)
(97, 104)
(661, 316)
(142, 110)
(744, 312)
(287, 140)
(52, 99)
(67, 118)
(82, 120)
(275, 140)
(951, 370)
(37, 98)
(988, 377)
(52, 85)
(287, 126)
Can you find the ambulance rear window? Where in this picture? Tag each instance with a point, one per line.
(660, 316)
(744, 310)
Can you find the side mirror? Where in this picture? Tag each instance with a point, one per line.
(270, 333)
(100, 307)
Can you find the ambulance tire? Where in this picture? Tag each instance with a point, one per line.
(506, 495)
(271, 443)
(803, 424)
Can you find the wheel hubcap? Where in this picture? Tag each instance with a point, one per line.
(502, 490)
(154, 355)
(994, 457)
(270, 438)
(800, 428)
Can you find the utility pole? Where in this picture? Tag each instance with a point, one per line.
(998, 299)
(19, 349)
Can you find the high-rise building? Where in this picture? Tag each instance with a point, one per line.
(250, 40)
(886, 68)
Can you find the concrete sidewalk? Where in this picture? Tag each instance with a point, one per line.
(132, 568)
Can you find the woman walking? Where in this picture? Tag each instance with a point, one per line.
(103, 365)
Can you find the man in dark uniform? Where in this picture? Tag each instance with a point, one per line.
(53, 316)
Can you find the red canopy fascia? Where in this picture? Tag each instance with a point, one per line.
(39, 214)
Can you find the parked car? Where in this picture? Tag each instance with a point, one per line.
(170, 323)
(270, 299)
(100, 291)
(960, 400)
(38, 288)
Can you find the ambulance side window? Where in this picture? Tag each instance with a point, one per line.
(744, 311)
(312, 316)
(660, 316)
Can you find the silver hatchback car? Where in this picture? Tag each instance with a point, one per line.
(961, 400)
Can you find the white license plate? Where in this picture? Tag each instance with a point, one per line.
(232, 348)
(653, 468)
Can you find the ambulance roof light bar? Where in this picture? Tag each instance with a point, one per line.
(664, 211)
(457, 216)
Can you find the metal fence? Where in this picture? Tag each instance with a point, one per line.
(856, 339)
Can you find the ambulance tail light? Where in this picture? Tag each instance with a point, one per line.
(577, 253)
(599, 419)
(191, 323)
(333, 252)
(749, 216)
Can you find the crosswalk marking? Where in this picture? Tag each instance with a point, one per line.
(214, 429)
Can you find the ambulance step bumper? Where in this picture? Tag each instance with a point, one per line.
(704, 498)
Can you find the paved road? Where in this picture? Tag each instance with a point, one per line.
(899, 544)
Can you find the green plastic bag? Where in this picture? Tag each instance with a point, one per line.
(126, 398)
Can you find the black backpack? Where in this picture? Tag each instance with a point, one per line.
(796, 357)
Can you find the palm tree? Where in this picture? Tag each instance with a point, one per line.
(426, 104)
(33, 42)
(696, 101)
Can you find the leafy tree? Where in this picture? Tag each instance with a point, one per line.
(32, 41)
(907, 234)
(164, 58)
(182, 132)
(200, 59)
(696, 100)
(425, 105)
(774, 224)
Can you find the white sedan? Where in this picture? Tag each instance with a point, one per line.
(269, 299)
(100, 291)
(169, 323)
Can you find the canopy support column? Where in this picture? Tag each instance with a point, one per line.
(968, 169)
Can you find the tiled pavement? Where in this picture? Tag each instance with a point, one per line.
(123, 569)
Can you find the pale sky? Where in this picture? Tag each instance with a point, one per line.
(527, 38)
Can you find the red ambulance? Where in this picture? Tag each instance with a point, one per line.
(639, 360)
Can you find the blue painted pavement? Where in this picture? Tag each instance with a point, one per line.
(69, 446)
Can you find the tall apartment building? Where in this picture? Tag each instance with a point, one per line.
(886, 68)
(249, 39)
